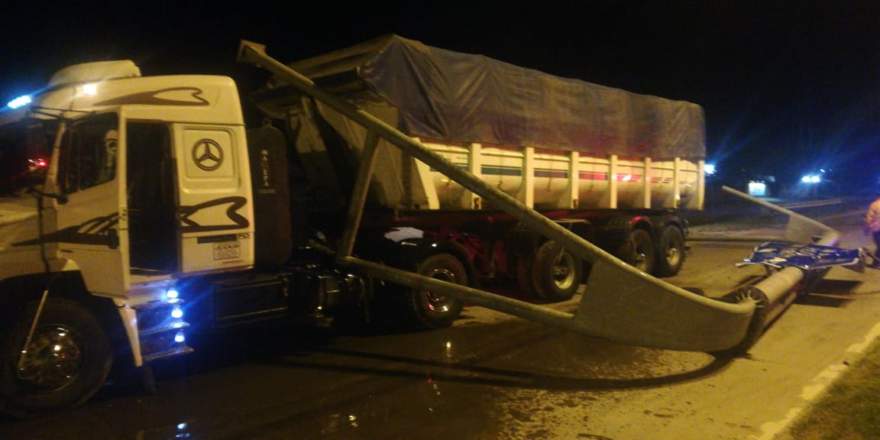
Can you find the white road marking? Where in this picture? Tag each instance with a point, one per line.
(770, 429)
(817, 386)
(822, 381)
(859, 348)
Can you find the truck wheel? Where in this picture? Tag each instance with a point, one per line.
(671, 253)
(639, 252)
(67, 361)
(556, 274)
(430, 310)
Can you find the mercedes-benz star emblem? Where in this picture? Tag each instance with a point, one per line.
(207, 154)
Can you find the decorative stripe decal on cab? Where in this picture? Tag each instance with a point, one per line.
(96, 231)
(191, 96)
(187, 224)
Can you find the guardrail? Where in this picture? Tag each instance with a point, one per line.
(812, 203)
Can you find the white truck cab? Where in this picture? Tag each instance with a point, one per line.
(146, 182)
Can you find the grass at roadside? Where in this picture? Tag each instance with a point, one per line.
(851, 408)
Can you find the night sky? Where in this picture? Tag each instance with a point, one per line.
(787, 87)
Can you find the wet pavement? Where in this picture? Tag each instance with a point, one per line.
(489, 376)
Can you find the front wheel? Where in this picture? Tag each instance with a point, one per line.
(427, 309)
(66, 362)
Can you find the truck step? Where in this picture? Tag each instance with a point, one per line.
(176, 325)
(176, 351)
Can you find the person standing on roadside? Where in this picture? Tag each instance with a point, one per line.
(872, 226)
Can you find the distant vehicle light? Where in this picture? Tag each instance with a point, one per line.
(38, 163)
(757, 188)
(709, 168)
(177, 313)
(172, 294)
(180, 338)
(19, 102)
(811, 179)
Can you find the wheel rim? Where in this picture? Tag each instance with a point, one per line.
(52, 360)
(673, 256)
(564, 271)
(641, 257)
(434, 303)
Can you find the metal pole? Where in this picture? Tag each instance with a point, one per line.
(669, 316)
(358, 195)
(478, 297)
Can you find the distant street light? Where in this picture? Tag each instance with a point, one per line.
(757, 188)
(710, 169)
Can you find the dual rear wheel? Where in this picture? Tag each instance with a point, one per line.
(551, 273)
(663, 258)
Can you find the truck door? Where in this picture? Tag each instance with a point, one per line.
(89, 228)
(215, 210)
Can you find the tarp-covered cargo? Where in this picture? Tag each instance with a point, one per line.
(462, 98)
(550, 142)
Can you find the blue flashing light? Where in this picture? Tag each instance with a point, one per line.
(177, 313)
(172, 294)
(179, 338)
(19, 102)
(710, 169)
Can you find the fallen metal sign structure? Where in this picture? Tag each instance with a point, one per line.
(776, 292)
(780, 254)
(622, 304)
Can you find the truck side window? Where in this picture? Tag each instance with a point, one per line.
(88, 153)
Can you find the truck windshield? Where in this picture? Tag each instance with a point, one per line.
(25, 148)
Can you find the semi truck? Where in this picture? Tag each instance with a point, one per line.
(388, 178)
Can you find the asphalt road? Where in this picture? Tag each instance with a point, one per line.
(492, 376)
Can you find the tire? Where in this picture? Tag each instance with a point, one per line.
(639, 252)
(76, 374)
(671, 253)
(556, 274)
(426, 310)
